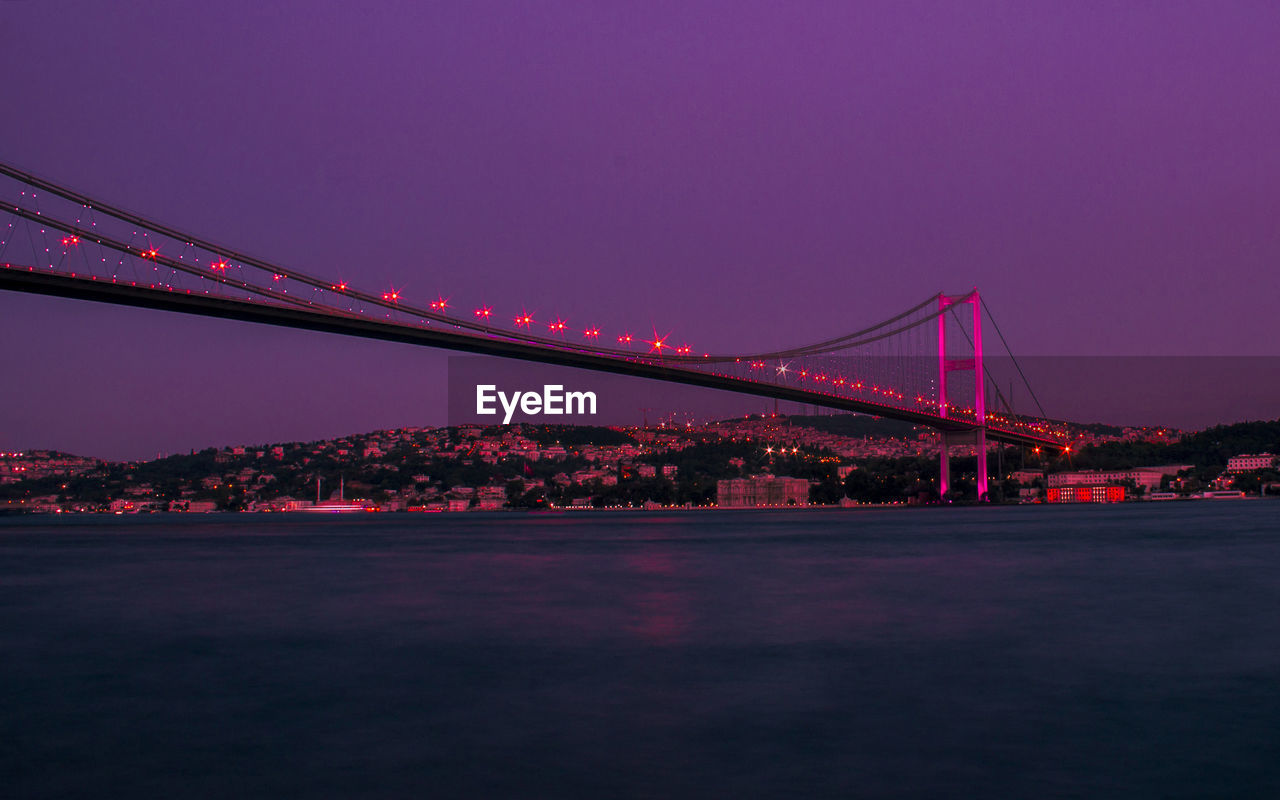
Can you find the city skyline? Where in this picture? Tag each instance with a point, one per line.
(637, 169)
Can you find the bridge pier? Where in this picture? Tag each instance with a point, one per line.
(980, 435)
(944, 462)
(946, 365)
(979, 439)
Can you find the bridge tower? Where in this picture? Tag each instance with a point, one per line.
(978, 436)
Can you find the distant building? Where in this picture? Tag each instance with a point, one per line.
(763, 490)
(1148, 477)
(1025, 476)
(1245, 463)
(1085, 494)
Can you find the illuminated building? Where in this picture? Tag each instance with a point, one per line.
(763, 490)
(1149, 477)
(1086, 494)
(1245, 463)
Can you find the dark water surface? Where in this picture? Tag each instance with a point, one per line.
(1127, 651)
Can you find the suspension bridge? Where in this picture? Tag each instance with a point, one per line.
(924, 365)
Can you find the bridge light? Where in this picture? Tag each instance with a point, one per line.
(558, 326)
(657, 342)
(591, 333)
(440, 303)
(524, 320)
(484, 312)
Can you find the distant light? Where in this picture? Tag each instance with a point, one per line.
(657, 343)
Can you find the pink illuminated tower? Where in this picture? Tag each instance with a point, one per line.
(945, 365)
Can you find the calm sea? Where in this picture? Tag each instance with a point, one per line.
(1125, 651)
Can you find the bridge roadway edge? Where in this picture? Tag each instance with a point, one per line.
(31, 282)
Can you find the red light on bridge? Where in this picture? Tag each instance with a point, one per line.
(218, 266)
(657, 343)
(558, 326)
(70, 241)
(591, 333)
(484, 312)
(625, 339)
(440, 303)
(278, 277)
(524, 320)
(340, 287)
(392, 296)
(151, 253)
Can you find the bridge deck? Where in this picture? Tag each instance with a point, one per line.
(22, 279)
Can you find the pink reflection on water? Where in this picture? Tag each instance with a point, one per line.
(658, 616)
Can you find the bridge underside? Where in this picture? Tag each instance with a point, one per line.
(21, 280)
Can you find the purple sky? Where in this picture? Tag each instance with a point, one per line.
(749, 174)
